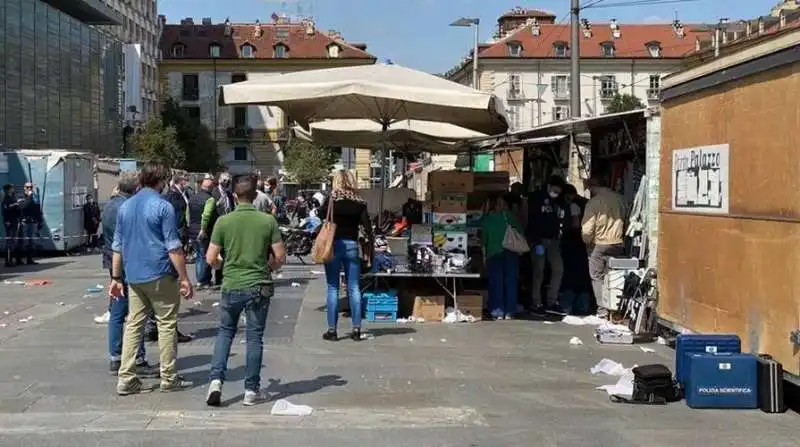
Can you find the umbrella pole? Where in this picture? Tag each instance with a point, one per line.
(384, 136)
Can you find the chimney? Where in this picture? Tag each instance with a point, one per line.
(782, 19)
(615, 32)
(679, 29)
(748, 29)
(335, 35)
(228, 28)
(206, 20)
(760, 25)
(257, 32)
(309, 27)
(587, 28)
(187, 21)
(536, 29)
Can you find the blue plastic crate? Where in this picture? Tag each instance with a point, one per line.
(382, 316)
(382, 307)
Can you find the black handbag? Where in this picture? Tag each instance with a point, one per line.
(652, 385)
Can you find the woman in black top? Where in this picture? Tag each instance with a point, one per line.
(350, 215)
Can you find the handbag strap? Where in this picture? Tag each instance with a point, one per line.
(329, 214)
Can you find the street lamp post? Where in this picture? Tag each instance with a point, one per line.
(475, 23)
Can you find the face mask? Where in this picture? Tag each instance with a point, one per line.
(553, 195)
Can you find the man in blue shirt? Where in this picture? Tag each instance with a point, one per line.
(118, 308)
(148, 246)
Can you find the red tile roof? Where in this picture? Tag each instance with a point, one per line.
(631, 44)
(197, 39)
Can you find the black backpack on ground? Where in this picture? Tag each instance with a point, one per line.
(652, 385)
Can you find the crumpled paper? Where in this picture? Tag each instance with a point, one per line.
(455, 316)
(623, 386)
(575, 341)
(283, 407)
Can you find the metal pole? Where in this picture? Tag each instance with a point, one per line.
(575, 59)
(475, 82)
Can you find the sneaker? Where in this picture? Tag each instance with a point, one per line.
(539, 310)
(555, 309)
(253, 398)
(508, 317)
(356, 334)
(147, 371)
(176, 385)
(497, 314)
(113, 367)
(330, 335)
(103, 319)
(133, 387)
(214, 396)
(183, 338)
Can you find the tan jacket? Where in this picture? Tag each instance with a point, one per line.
(604, 219)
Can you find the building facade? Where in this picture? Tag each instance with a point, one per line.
(198, 58)
(61, 70)
(528, 64)
(140, 31)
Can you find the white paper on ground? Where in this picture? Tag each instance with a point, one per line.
(575, 341)
(644, 349)
(316, 272)
(610, 367)
(591, 320)
(661, 340)
(295, 284)
(623, 387)
(283, 407)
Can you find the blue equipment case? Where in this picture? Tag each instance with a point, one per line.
(721, 381)
(702, 343)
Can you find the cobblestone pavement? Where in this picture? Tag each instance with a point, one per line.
(515, 383)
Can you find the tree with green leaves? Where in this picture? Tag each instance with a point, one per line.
(158, 142)
(624, 103)
(194, 139)
(306, 162)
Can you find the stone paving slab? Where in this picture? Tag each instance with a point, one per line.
(514, 383)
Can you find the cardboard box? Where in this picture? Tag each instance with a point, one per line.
(471, 303)
(450, 181)
(449, 222)
(495, 181)
(429, 308)
(449, 202)
(474, 219)
(451, 241)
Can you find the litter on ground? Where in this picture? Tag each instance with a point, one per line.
(646, 349)
(575, 341)
(283, 407)
(623, 386)
(295, 284)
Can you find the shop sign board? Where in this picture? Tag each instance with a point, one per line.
(700, 179)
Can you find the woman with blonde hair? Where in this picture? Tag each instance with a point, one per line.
(502, 265)
(349, 213)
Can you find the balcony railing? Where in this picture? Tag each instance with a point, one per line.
(560, 94)
(608, 93)
(239, 133)
(514, 94)
(653, 94)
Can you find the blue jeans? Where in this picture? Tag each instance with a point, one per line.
(345, 255)
(231, 305)
(201, 267)
(503, 271)
(118, 310)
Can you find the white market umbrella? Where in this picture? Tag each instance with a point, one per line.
(405, 136)
(381, 93)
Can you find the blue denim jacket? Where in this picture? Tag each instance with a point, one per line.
(147, 230)
(109, 222)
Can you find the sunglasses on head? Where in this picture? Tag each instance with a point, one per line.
(28, 186)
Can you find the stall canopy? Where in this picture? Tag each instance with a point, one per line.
(382, 93)
(404, 136)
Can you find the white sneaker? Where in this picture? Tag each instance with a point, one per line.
(253, 397)
(214, 396)
(103, 319)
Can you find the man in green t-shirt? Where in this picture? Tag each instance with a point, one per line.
(253, 248)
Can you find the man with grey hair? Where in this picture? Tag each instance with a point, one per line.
(118, 308)
(225, 203)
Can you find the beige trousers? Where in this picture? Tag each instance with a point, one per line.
(163, 297)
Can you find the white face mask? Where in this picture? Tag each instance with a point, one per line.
(553, 195)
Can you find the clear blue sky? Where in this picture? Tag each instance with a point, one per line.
(415, 33)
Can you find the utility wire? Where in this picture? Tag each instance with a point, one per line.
(591, 4)
(595, 4)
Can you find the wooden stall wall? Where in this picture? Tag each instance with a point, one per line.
(740, 272)
(510, 161)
